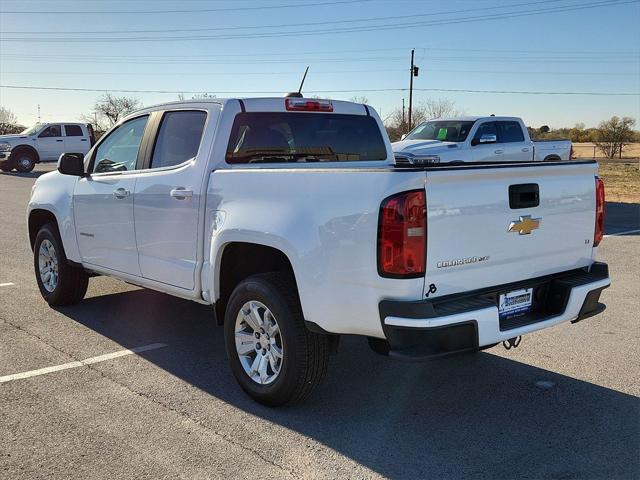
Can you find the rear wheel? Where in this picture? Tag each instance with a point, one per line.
(24, 161)
(59, 282)
(272, 355)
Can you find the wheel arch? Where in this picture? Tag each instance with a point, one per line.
(24, 147)
(239, 260)
(39, 217)
(552, 158)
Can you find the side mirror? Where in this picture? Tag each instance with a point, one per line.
(403, 136)
(71, 164)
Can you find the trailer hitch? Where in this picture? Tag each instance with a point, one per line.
(512, 342)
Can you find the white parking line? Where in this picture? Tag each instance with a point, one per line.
(80, 363)
(8, 284)
(622, 233)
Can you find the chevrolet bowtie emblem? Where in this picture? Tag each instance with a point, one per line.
(525, 225)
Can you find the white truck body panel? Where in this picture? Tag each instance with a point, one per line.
(330, 244)
(468, 215)
(104, 223)
(323, 217)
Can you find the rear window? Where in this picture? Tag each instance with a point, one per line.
(274, 137)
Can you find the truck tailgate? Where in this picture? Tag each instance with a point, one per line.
(477, 236)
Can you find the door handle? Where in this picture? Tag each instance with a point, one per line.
(525, 149)
(58, 140)
(499, 151)
(181, 193)
(121, 193)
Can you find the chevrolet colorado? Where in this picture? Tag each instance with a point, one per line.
(42, 142)
(292, 219)
(475, 139)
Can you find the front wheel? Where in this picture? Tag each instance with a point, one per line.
(59, 282)
(272, 355)
(25, 162)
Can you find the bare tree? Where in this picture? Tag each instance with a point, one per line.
(438, 108)
(359, 99)
(9, 122)
(203, 96)
(614, 134)
(397, 123)
(109, 109)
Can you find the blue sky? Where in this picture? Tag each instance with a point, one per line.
(460, 45)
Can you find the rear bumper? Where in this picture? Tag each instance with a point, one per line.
(469, 321)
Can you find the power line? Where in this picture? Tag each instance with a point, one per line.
(316, 72)
(324, 52)
(196, 10)
(306, 56)
(215, 61)
(281, 25)
(364, 90)
(307, 32)
(288, 72)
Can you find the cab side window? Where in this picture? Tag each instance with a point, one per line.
(487, 128)
(178, 138)
(119, 151)
(51, 131)
(511, 132)
(73, 130)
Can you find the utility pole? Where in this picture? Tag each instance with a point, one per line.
(411, 88)
(403, 124)
(413, 73)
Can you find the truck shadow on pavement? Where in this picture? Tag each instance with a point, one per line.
(468, 416)
(32, 174)
(621, 217)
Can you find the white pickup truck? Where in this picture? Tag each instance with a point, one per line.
(43, 142)
(478, 139)
(290, 217)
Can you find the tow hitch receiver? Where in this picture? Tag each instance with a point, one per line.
(512, 343)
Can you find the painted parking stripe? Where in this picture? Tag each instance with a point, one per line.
(8, 284)
(627, 232)
(80, 363)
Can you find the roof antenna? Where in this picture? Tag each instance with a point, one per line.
(298, 94)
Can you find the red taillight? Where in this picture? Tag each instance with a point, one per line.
(599, 233)
(303, 105)
(402, 235)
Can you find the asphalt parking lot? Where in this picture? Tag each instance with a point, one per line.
(563, 405)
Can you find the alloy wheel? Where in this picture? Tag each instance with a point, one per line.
(48, 265)
(258, 342)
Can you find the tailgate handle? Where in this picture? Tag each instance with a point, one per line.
(525, 195)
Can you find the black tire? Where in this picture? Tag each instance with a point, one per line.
(24, 161)
(5, 167)
(305, 354)
(72, 282)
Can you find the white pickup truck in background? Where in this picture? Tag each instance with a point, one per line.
(478, 139)
(43, 142)
(292, 219)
